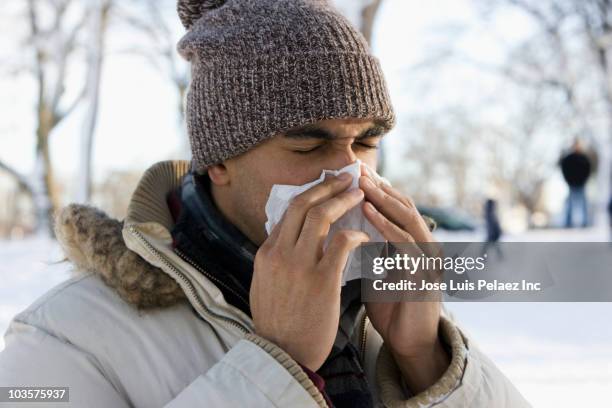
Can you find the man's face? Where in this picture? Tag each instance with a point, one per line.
(295, 157)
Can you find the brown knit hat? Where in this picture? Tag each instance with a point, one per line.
(263, 66)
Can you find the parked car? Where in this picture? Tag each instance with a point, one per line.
(449, 219)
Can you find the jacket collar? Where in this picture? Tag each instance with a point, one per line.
(148, 202)
(135, 257)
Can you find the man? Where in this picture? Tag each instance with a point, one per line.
(576, 169)
(188, 302)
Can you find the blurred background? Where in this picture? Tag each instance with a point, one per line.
(504, 133)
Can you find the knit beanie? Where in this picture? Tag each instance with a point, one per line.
(259, 67)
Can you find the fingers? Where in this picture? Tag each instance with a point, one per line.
(393, 208)
(395, 234)
(389, 205)
(396, 208)
(299, 206)
(319, 219)
(366, 172)
(422, 233)
(387, 228)
(337, 252)
(273, 236)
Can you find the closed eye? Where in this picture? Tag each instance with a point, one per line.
(366, 145)
(361, 145)
(306, 151)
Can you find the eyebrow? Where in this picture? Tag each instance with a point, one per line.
(315, 132)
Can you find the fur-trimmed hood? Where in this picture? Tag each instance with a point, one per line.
(93, 241)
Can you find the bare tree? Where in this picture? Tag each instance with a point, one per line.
(516, 156)
(455, 158)
(157, 21)
(439, 158)
(53, 46)
(58, 41)
(570, 54)
(99, 11)
(54, 31)
(22, 182)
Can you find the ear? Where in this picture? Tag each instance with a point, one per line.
(218, 174)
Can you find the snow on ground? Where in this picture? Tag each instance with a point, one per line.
(600, 233)
(557, 354)
(28, 268)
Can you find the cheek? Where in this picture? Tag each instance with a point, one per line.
(292, 170)
(270, 164)
(255, 190)
(250, 199)
(298, 175)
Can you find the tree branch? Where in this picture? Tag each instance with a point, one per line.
(21, 180)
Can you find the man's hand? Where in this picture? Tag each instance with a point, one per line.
(295, 293)
(410, 330)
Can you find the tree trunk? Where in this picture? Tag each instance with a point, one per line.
(368, 14)
(99, 17)
(43, 189)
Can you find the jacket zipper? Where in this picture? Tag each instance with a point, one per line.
(209, 276)
(191, 292)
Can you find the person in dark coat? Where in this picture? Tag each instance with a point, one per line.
(610, 216)
(493, 226)
(576, 169)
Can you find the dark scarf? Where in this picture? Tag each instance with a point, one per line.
(204, 236)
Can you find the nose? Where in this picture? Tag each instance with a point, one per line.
(342, 157)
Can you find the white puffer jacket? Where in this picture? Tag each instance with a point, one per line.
(123, 334)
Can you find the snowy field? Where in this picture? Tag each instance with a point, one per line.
(27, 270)
(557, 354)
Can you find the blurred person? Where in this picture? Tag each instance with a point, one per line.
(576, 169)
(188, 302)
(493, 227)
(610, 216)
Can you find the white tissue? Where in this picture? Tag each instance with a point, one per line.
(282, 194)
